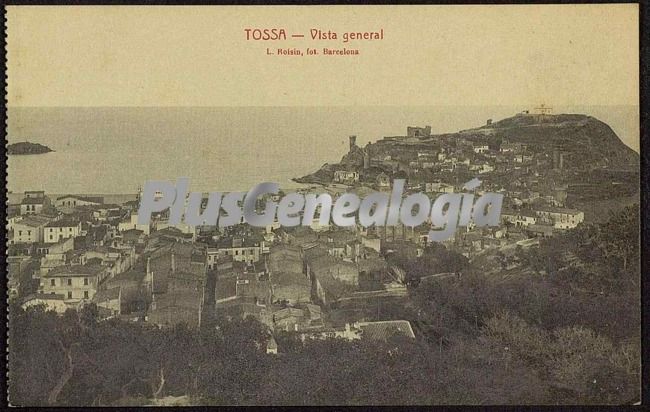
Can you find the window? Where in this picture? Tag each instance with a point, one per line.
(60, 229)
(29, 233)
(69, 294)
(85, 281)
(52, 282)
(51, 237)
(69, 282)
(85, 294)
(20, 233)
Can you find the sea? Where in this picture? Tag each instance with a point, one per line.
(114, 150)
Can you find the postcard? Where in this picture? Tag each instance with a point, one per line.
(323, 205)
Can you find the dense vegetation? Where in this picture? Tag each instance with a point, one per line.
(569, 332)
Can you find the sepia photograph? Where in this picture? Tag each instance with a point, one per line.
(323, 205)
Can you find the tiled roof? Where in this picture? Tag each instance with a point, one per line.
(33, 201)
(559, 210)
(131, 275)
(106, 294)
(44, 296)
(62, 223)
(33, 221)
(84, 198)
(384, 330)
(75, 270)
(540, 228)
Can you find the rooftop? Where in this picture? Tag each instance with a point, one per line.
(75, 270)
(540, 228)
(84, 198)
(107, 294)
(33, 201)
(384, 330)
(43, 296)
(63, 223)
(33, 221)
(559, 210)
(131, 275)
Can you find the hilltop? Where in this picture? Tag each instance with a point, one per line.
(586, 140)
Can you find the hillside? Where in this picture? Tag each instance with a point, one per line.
(588, 141)
(586, 144)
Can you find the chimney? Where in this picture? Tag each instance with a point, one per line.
(173, 263)
(148, 265)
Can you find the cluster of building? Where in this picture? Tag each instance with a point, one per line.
(534, 181)
(71, 251)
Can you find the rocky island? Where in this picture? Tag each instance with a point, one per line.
(27, 148)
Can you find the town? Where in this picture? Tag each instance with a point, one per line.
(315, 280)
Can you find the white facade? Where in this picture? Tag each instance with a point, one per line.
(58, 231)
(29, 230)
(562, 218)
(132, 223)
(344, 176)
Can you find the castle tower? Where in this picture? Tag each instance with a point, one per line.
(353, 142)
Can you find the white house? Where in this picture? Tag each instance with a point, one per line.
(30, 229)
(562, 218)
(72, 201)
(61, 229)
(345, 176)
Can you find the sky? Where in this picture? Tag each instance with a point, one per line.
(515, 55)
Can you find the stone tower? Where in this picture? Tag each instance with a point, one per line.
(353, 142)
